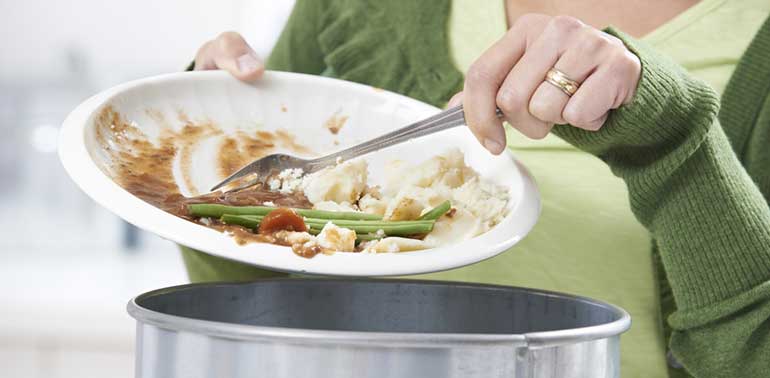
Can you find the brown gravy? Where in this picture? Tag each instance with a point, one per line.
(145, 169)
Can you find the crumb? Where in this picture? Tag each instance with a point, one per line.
(287, 181)
(283, 108)
(335, 122)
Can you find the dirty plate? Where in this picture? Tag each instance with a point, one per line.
(193, 117)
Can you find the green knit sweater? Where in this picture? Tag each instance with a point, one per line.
(698, 177)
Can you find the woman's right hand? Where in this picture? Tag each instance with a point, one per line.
(230, 52)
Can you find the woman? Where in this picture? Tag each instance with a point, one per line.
(673, 168)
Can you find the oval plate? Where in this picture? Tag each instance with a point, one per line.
(306, 107)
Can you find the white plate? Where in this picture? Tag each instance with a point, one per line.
(300, 104)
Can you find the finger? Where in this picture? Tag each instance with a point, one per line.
(611, 85)
(204, 58)
(547, 103)
(457, 99)
(577, 62)
(234, 55)
(481, 84)
(588, 107)
(526, 76)
(484, 79)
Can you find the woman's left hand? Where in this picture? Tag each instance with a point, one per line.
(511, 75)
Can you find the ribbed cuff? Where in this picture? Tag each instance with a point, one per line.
(646, 140)
(685, 184)
(668, 107)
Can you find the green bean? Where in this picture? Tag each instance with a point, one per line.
(252, 222)
(437, 211)
(217, 210)
(359, 237)
(345, 223)
(389, 230)
(399, 228)
(248, 222)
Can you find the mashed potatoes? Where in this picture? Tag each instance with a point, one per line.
(342, 184)
(409, 192)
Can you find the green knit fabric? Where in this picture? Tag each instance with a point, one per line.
(403, 51)
(698, 177)
(709, 219)
(202, 267)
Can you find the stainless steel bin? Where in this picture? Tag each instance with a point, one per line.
(340, 328)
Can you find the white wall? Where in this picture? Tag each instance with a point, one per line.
(66, 272)
(120, 40)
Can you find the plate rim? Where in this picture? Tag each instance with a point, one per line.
(103, 190)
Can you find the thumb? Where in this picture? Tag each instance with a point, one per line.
(457, 99)
(237, 57)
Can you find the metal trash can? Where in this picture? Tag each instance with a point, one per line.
(340, 328)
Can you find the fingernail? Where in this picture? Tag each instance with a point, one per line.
(493, 146)
(248, 63)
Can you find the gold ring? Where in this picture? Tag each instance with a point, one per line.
(560, 80)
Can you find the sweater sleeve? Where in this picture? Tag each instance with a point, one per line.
(297, 48)
(709, 219)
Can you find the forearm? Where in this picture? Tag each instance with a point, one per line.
(710, 221)
(714, 246)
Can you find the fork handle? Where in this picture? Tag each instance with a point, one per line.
(446, 119)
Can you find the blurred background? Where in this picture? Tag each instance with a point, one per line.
(68, 267)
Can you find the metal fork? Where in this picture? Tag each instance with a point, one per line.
(271, 164)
